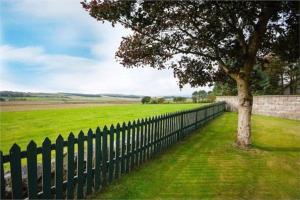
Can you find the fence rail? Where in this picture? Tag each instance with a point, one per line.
(101, 156)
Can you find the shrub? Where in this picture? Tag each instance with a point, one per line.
(146, 100)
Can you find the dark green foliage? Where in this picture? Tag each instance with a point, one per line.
(179, 99)
(199, 96)
(161, 100)
(146, 100)
(199, 34)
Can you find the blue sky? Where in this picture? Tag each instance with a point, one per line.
(55, 46)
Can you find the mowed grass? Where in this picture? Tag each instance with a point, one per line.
(22, 126)
(207, 165)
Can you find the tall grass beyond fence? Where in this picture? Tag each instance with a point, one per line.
(95, 160)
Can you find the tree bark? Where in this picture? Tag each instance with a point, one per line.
(244, 113)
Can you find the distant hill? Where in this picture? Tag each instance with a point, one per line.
(10, 94)
(62, 95)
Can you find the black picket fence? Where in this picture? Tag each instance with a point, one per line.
(101, 156)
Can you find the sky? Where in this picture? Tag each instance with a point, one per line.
(55, 46)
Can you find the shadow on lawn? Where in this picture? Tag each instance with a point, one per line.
(279, 149)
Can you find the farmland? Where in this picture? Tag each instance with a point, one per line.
(26, 125)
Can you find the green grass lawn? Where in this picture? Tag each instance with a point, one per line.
(207, 165)
(22, 126)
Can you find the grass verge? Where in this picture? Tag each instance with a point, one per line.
(207, 165)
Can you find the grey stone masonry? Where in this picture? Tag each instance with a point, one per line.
(285, 106)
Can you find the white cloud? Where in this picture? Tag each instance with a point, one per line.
(65, 73)
(76, 74)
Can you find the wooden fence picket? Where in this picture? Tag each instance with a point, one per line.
(111, 154)
(137, 154)
(128, 147)
(80, 166)
(118, 149)
(89, 177)
(98, 156)
(123, 159)
(142, 147)
(59, 151)
(16, 173)
(2, 194)
(104, 156)
(71, 167)
(133, 150)
(32, 170)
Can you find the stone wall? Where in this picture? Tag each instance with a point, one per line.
(285, 106)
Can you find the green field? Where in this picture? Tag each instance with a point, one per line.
(207, 165)
(22, 126)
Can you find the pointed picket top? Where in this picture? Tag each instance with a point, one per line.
(129, 124)
(90, 133)
(47, 141)
(133, 123)
(59, 139)
(123, 126)
(71, 136)
(138, 121)
(118, 127)
(81, 134)
(31, 145)
(143, 121)
(98, 130)
(112, 128)
(105, 129)
(15, 148)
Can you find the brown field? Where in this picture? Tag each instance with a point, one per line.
(42, 105)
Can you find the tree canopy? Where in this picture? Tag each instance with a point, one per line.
(204, 41)
(193, 37)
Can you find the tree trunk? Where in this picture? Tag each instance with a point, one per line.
(244, 113)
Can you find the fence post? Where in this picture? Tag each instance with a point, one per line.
(104, 156)
(181, 125)
(128, 147)
(123, 148)
(46, 151)
(2, 194)
(80, 166)
(16, 173)
(32, 170)
(89, 180)
(98, 159)
(133, 150)
(137, 154)
(59, 151)
(70, 176)
(117, 166)
(111, 153)
(142, 144)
